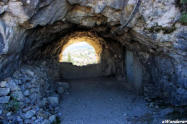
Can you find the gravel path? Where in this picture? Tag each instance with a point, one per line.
(100, 101)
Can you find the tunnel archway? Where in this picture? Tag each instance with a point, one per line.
(78, 37)
(79, 54)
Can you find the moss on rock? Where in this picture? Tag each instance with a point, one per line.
(158, 28)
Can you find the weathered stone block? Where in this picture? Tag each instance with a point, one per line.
(26, 93)
(60, 90)
(52, 118)
(3, 84)
(4, 91)
(12, 85)
(4, 99)
(65, 85)
(53, 100)
(30, 114)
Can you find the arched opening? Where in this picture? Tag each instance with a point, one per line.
(84, 47)
(79, 54)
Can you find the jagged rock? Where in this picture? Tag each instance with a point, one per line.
(34, 97)
(60, 90)
(53, 100)
(4, 91)
(4, 99)
(9, 114)
(46, 122)
(33, 118)
(28, 121)
(52, 118)
(151, 105)
(43, 102)
(3, 84)
(27, 100)
(26, 93)
(3, 9)
(29, 72)
(19, 119)
(18, 95)
(65, 85)
(29, 114)
(12, 85)
(166, 111)
(27, 109)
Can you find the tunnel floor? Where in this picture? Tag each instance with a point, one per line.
(102, 101)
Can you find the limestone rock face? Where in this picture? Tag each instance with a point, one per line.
(49, 14)
(99, 5)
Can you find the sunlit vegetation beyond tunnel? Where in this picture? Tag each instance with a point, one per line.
(79, 54)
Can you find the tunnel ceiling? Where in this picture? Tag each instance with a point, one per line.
(20, 17)
(154, 32)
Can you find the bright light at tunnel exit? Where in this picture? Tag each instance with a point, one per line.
(79, 54)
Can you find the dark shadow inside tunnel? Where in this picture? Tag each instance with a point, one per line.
(131, 57)
(108, 58)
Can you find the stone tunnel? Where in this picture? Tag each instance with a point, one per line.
(141, 44)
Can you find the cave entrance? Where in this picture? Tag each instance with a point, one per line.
(79, 54)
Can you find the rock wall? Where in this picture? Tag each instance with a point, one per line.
(134, 71)
(30, 95)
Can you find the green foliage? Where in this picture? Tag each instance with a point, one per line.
(57, 121)
(80, 56)
(183, 18)
(69, 57)
(13, 105)
(183, 1)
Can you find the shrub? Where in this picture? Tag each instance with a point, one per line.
(13, 105)
(183, 18)
(183, 1)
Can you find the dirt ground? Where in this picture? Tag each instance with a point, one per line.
(102, 101)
